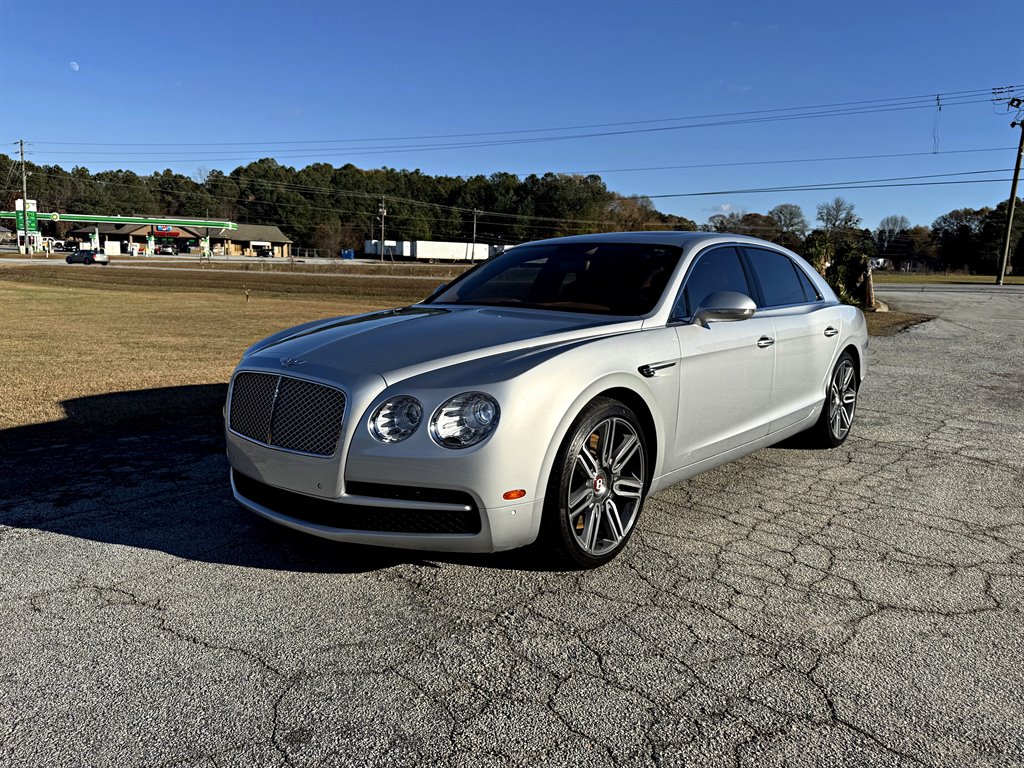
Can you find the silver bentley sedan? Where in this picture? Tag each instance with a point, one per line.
(544, 394)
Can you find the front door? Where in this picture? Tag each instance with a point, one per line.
(725, 382)
(726, 368)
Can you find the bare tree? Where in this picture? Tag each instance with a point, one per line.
(890, 228)
(328, 237)
(789, 218)
(627, 214)
(724, 222)
(838, 215)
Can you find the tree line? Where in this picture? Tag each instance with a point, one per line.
(963, 240)
(330, 208)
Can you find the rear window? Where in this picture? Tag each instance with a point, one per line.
(778, 278)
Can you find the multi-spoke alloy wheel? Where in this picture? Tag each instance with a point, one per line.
(833, 427)
(842, 399)
(601, 483)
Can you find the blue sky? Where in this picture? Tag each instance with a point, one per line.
(219, 83)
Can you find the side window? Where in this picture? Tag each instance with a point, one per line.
(810, 291)
(777, 275)
(719, 269)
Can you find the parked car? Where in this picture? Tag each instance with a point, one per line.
(87, 256)
(167, 250)
(543, 394)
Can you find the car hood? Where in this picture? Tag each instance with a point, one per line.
(399, 343)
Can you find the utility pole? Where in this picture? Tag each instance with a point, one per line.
(1012, 203)
(24, 199)
(473, 255)
(383, 212)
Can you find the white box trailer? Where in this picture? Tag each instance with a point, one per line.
(392, 248)
(431, 250)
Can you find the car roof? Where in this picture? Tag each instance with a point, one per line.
(681, 239)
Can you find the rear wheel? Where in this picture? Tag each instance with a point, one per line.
(88, 260)
(597, 486)
(67, 259)
(836, 420)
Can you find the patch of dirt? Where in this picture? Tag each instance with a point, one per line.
(891, 323)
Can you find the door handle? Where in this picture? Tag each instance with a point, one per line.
(765, 341)
(830, 332)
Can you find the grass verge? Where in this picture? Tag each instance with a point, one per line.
(902, 278)
(891, 323)
(96, 346)
(65, 343)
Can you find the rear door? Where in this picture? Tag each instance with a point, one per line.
(807, 331)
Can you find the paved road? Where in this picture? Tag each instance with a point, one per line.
(854, 607)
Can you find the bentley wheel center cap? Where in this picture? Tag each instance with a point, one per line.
(600, 484)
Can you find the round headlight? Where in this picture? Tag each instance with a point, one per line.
(396, 419)
(465, 420)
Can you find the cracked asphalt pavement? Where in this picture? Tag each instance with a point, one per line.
(860, 606)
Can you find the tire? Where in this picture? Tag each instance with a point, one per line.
(67, 259)
(87, 261)
(595, 495)
(836, 420)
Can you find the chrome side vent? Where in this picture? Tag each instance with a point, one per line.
(651, 369)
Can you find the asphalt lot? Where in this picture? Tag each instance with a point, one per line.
(852, 607)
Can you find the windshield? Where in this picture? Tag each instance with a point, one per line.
(600, 278)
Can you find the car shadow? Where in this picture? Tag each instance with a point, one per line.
(802, 441)
(147, 469)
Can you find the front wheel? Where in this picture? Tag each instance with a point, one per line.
(67, 259)
(598, 485)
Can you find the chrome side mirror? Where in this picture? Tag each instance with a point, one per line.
(723, 307)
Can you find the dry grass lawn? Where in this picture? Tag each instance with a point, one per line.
(953, 279)
(70, 335)
(62, 342)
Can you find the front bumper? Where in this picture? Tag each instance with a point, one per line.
(441, 526)
(391, 495)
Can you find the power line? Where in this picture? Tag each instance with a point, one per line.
(863, 184)
(734, 164)
(400, 149)
(920, 100)
(335, 191)
(899, 181)
(788, 161)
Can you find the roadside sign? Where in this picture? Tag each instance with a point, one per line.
(33, 217)
(90, 218)
(33, 221)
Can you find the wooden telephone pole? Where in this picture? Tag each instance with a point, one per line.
(1012, 204)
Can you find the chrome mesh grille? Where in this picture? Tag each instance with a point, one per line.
(288, 413)
(251, 405)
